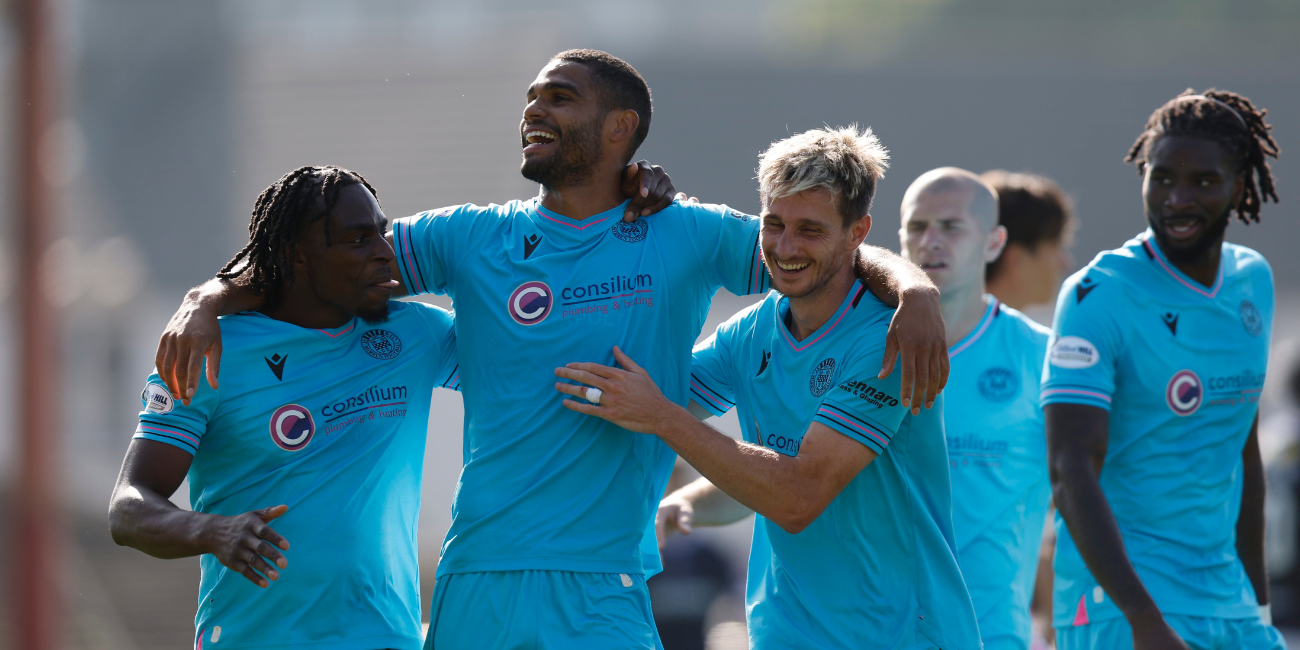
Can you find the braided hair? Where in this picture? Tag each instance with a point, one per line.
(298, 199)
(1232, 121)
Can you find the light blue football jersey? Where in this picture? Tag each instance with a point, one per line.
(998, 454)
(878, 568)
(330, 422)
(544, 487)
(1180, 367)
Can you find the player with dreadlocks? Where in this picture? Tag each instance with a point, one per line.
(1151, 394)
(342, 379)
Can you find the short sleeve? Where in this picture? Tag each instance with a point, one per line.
(428, 246)
(711, 373)
(726, 242)
(165, 420)
(1085, 343)
(863, 406)
(442, 329)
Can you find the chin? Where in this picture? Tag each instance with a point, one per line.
(373, 314)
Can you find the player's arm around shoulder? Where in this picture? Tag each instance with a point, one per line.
(792, 491)
(141, 515)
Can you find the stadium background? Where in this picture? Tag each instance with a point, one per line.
(175, 115)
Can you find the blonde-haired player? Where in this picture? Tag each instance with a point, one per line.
(853, 545)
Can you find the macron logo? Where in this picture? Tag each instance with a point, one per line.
(276, 364)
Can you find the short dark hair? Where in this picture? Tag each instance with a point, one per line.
(619, 85)
(1232, 121)
(301, 197)
(1032, 208)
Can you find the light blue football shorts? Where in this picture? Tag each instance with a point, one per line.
(541, 610)
(1200, 633)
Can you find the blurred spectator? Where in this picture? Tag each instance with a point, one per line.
(1039, 219)
(1282, 505)
(694, 575)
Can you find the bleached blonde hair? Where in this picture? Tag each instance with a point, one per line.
(845, 162)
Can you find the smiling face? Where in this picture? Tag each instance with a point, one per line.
(805, 243)
(562, 127)
(350, 273)
(1189, 188)
(940, 235)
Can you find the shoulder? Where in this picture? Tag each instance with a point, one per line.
(419, 319)
(1241, 260)
(480, 216)
(695, 213)
(250, 328)
(1023, 326)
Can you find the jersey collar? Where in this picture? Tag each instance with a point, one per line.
(569, 228)
(338, 332)
(783, 307)
(1153, 251)
(990, 313)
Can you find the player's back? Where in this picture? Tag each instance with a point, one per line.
(1180, 367)
(997, 453)
(877, 569)
(331, 423)
(544, 487)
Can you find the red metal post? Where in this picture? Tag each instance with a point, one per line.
(37, 573)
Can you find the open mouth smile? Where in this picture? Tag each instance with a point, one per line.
(536, 139)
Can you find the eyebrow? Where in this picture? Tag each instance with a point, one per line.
(554, 85)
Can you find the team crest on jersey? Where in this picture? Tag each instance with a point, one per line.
(998, 384)
(631, 232)
(292, 427)
(823, 376)
(156, 399)
(530, 303)
(1251, 319)
(1184, 393)
(381, 344)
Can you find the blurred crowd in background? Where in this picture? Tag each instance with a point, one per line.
(176, 115)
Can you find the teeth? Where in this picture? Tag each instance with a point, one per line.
(533, 137)
(791, 267)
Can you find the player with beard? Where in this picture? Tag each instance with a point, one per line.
(994, 425)
(551, 529)
(853, 545)
(343, 379)
(1151, 394)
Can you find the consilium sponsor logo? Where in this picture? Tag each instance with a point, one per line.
(530, 303)
(156, 399)
(1074, 352)
(1184, 393)
(292, 427)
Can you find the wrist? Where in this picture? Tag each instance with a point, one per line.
(1145, 617)
(669, 419)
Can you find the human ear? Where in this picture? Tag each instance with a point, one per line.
(625, 123)
(995, 243)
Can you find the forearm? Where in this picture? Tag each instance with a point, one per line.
(1250, 521)
(889, 276)
(1092, 525)
(224, 297)
(759, 479)
(712, 506)
(144, 520)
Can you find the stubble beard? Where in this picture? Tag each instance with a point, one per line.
(572, 163)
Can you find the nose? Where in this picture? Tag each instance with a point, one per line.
(533, 110)
(930, 238)
(1180, 196)
(383, 251)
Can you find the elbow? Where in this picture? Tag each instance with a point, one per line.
(117, 517)
(798, 517)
